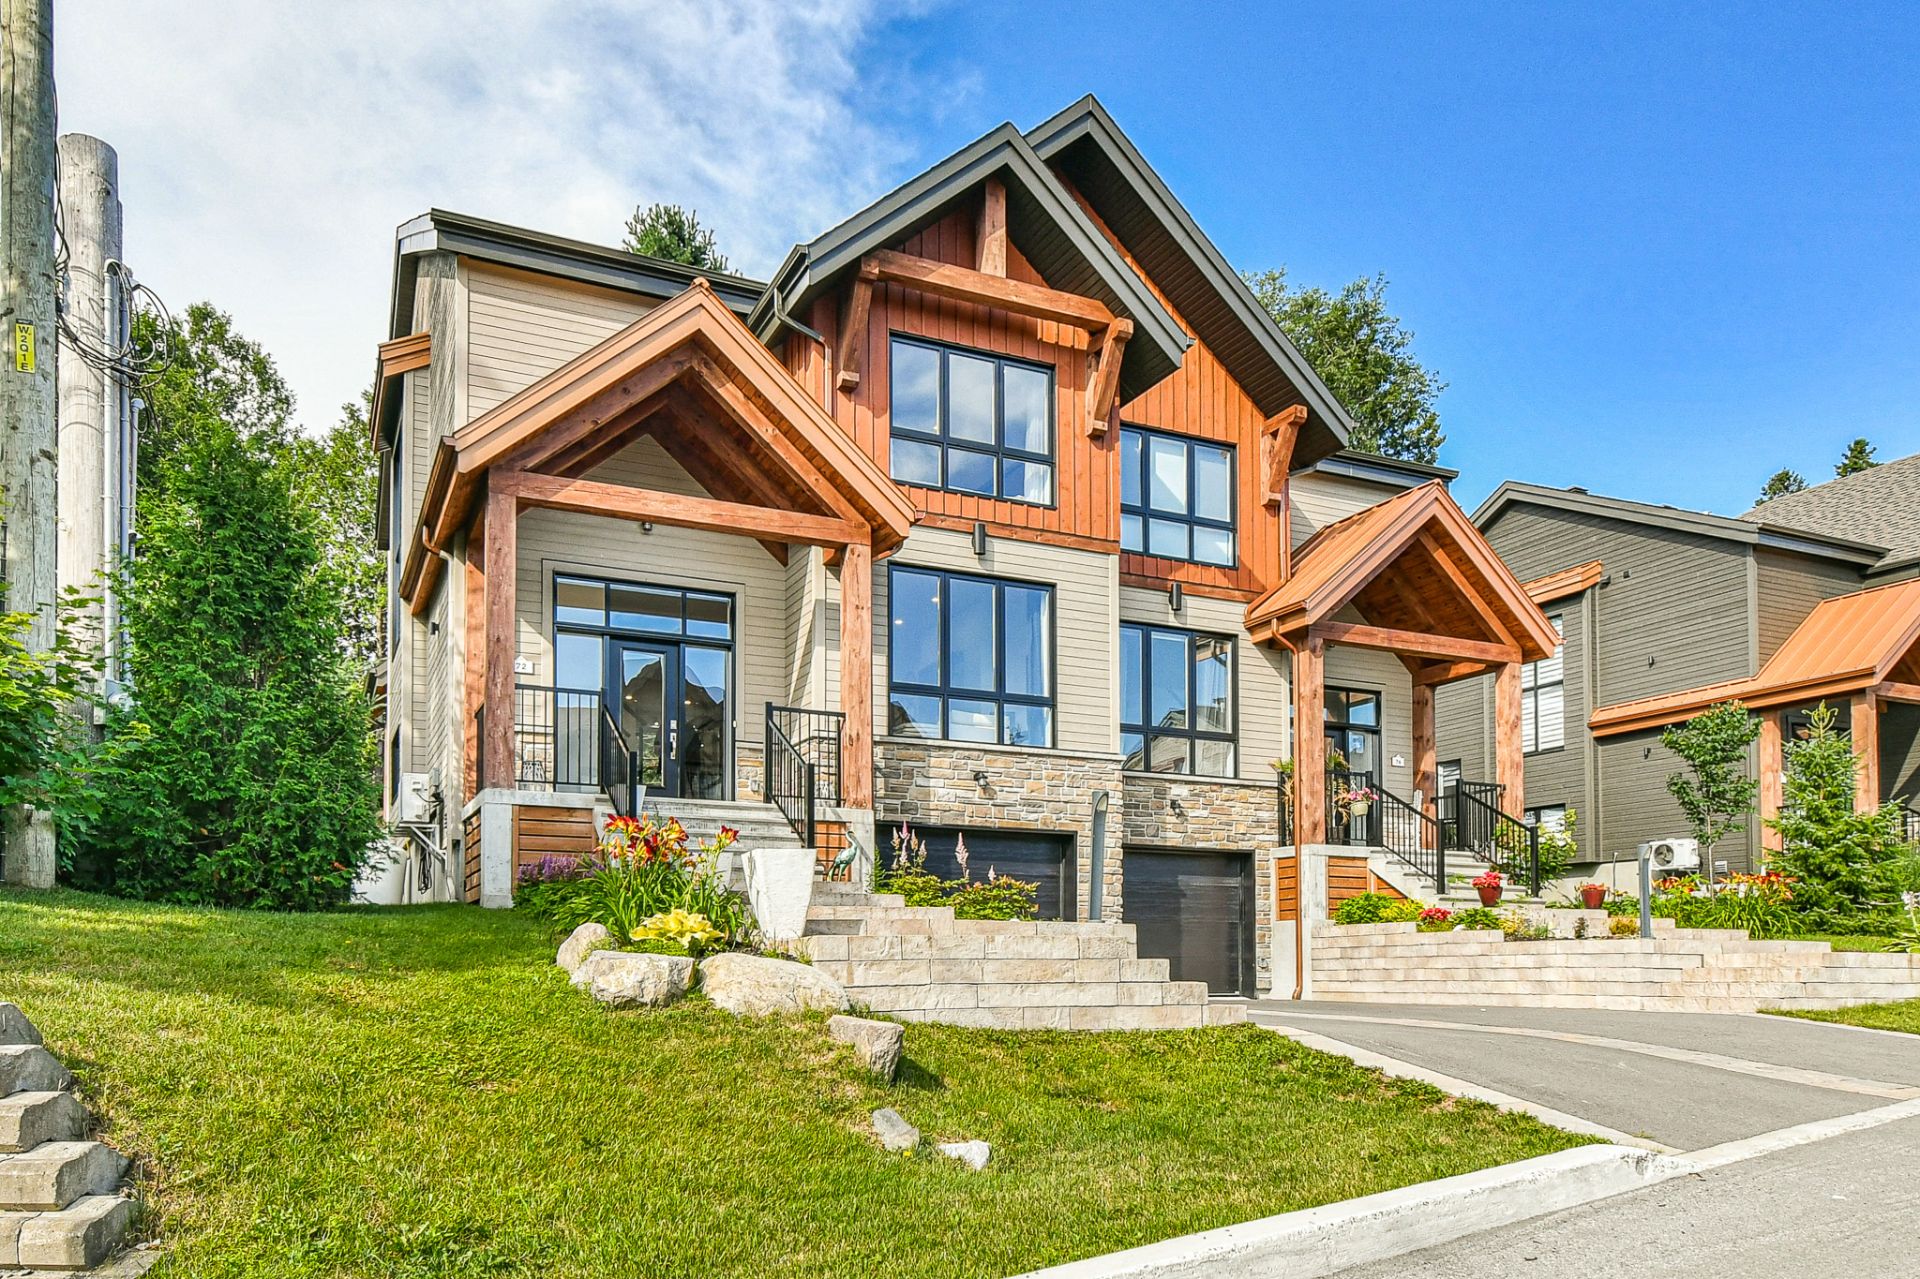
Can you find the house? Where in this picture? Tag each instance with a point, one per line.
(1663, 612)
(1002, 510)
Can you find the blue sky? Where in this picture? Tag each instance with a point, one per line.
(1660, 252)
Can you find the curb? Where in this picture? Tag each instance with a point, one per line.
(1325, 1240)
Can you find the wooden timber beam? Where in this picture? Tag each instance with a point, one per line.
(1103, 375)
(963, 284)
(992, 236)
(1277, 438)
(1437, 673)
(1356, 635)
(1866, 749)
(1896, 692)
(1509, 753)
(590, 497)
(1772, 779)
(591, 418)
(853, 326)
(1474, 596)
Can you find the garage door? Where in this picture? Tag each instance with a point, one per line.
(1196, 911)
(1043, 859)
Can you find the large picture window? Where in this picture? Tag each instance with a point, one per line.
(1176, 701)
(970, 659)
(1176, 497)
(1543, 701)
(970, 422)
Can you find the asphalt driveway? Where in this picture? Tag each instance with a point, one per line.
(1680, 1081)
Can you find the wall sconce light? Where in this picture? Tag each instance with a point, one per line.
(980, 778)
(646, 526)
(433, 628)
(1179, 809)
(979, 539)
(1175, 597)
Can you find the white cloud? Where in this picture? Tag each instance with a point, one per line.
(268, 150)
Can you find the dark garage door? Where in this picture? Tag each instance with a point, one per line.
(1196, 910)
(1043, 859)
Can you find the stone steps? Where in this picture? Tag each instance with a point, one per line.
(60, 1203)
(760, 825)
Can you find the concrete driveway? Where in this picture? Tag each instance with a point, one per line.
(1673, 1081)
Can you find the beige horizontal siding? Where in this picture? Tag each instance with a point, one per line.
(520, 327)
(1319, 500)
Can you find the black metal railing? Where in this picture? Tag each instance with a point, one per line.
(557, 737)
(1412, 836)
(1505, 843)
(1909, 822)
(619, 767)
(1352, 816)
(803, 764)
(479, 749)
(1283, 803)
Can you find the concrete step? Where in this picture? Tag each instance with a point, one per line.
(30, 1068)
(29, 1118)
(760, 825)
(54, 1174)
(79, 1237)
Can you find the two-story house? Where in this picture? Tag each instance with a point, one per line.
(1002, 510)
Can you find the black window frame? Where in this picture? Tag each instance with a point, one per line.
(1000, 452)
(1531, 684)
(945, 691)
(1190, 734)
(1146, 513)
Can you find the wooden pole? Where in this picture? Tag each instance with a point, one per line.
(1772, 762)
(501, 575)
(856, 674)
(28, 440)
(1866, 749)
(1309, 745)
(1510, 768)
(1426, 754)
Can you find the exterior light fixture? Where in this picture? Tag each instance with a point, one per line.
(646, 526)
(979, 539)
(980, 778)
(1175, 596)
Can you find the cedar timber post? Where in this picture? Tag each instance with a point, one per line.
(474, 676)
(1309, 749)
(856, 674)
(1771, 763)
(1508, 752)
(1866, 749)
(993, 228)
(501, 574)
(1426, 768)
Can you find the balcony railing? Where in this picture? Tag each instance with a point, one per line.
(803, 765)
(565, 739)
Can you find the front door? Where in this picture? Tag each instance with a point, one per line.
(1353, 744)
(673, 706)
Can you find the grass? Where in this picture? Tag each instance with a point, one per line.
(418, 1093)
(1904, 1015)
(1847, 942)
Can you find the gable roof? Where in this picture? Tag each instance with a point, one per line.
(1044, 221)
(1846, 644)
(1513, 493)
(1342, 559)
(1880, 505)
(1156, 229)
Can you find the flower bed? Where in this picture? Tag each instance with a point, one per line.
(996, 897)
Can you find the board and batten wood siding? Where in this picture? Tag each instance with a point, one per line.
(1900, 752)
(1787, 588)
(1262, 696)
(1086, 619)
(521, 327)
(560, 542)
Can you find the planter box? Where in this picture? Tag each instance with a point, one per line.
(780, 887)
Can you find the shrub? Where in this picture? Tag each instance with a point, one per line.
(1364, 908)
(1518, 927)
(1761, 904)
(1436, 919)
(655, 946)
(1476, 917)
(1621, 926)
(1402, 910)
(997, 897)
(690, 931)
(1847, 865)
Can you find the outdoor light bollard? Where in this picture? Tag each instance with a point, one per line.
(1646, 890)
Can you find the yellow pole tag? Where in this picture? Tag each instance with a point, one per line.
(22, 347)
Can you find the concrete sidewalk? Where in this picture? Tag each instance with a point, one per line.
(1679, 1080)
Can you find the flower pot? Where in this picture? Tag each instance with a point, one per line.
(780, 888)
(1358, 809)
(1593, 897)
(1489, 896)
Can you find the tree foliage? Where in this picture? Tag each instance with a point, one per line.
(671, 232)
(252, 782)
(222, 373)
(1364, 354)
(1845, 861)
(1858, 457)
(337, 478)
(1782, 483)
(1714, 791)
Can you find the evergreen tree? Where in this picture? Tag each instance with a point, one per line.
(337, 477)
(1782, 483)
(671, 232)
(1364, 354)
(1842, 859)
(1857, 458)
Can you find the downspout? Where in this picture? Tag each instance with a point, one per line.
(1299, 857)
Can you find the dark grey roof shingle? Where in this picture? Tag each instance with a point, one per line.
(1880, 505)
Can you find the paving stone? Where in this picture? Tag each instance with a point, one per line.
(54, 1174)
(79, 1238)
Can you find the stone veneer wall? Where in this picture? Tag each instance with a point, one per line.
(932, 783)
(1214, 816)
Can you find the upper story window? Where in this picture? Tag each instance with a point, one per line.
(1176, 497)
(970, 659)
(970, 422)
(1543, 701)
(1176, 701)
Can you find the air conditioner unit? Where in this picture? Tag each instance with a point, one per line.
(414, 804)
(1672, 856)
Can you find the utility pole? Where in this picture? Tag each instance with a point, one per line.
(28, 460)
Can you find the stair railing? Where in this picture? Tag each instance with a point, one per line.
(803, 765)
(1412, 836)
(619, 766)
(1504, 842)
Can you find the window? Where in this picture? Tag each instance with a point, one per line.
(1550, 818)
(1176, 701)
(1543, 701)
(1176, 497)
(970, 659)
(970, 422)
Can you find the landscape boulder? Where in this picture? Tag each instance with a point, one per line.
(14, 1026)
(625, 980)
(894, 1132)
(750, 986)
(974, 1154)
(580, 943)
(878, 1043)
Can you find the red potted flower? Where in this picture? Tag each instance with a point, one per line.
(1593, 896)
(1489, 887)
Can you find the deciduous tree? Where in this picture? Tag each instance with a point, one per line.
(1715, 791)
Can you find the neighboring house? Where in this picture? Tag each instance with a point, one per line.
(1003, 510)
(1665, 612)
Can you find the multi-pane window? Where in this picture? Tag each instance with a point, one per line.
(1176, 497)
(970, 422)
(1543, 701)
(1176, 701)
(970, 659)
(1550, 818)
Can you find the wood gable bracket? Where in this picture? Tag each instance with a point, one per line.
(1277, 438)
(853, 326)
(1103, 375)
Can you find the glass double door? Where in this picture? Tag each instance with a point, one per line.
(672, 704)
(1353, 761)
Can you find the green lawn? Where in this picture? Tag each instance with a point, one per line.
(1848, 942)
(418, 1092)
(1904, 1015)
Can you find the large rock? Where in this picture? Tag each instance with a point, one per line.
(625, 980)
(14, 1026)
(877, 1042)
(749, 986)
(580, 943)
(894, 1132)
(974, 1154)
